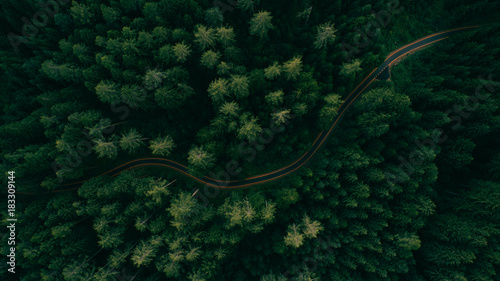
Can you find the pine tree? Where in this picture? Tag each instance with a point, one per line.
(133, 95)
(239, 85)
(181, 51)
(81, 13)
(214, 16)
(200, 158)
(325, 35)
(275, 98)
(105, 149)
(292, 68)
(273, 71)
(131, 140)
(226, 36)
(107, 91)
(205, 37)
(162, 146)
(249, 130)
(109, 14)
(311, 228)
(293, 237)
(230, 109)
(223, 68)
(210, 59)
(260, 24)
(218, 90)
(280, 117)
(154, 79)
(172, 98)
(143, 254)
(166, 54)
(246, 5)
(329, 111)
(350, 69)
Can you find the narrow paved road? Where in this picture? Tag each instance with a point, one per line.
(382, 72)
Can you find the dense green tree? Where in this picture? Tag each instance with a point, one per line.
(325, 35)
(172, 98)
(292, 68)
(153, 79)
(225, 35)
(162, 146)
(108, 91)
(218, 90)
(210, 59)
(214, 16)
(273, 71)
(249, 129)
(131, 140)
(294, 238)
(260, 24)
(239, 85)
(205, 37)
(275, 98)
(405, 187)
(329, 111)
(281, 117)
(106, 148)
(181, 51)
(199, 158)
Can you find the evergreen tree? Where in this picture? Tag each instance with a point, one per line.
(325, 35)
(131, 140)
(249, 129)
(181, 51)
(239, 85)
(273, 71)
(260, 24)
(210, 59)
(225, 35)
(200, 158)
(218, 90)
(205, 37)
(292, 68)
(162, 146)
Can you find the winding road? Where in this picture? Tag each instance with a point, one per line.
(382, 73)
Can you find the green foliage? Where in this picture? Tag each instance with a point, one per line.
(292, 68)
(281, 117)
(162, 146)
(275, 98)
(239, 85)
(181, 51)
(325, 35)
(249, 129)
(225, 35)
(214, 16)
(154, 79)
(210, 59)
(405, 187)
(106, 148)
(260, 23)
(350, 69)
(205, 37)
(199, 158)
(273, 71)
(293, 237)
(131, 140)
(218, 90)
(329, 111)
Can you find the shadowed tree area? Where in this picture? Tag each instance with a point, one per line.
(405, 188)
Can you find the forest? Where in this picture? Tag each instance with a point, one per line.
(406, 187)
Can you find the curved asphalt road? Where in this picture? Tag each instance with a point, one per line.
(383, 69)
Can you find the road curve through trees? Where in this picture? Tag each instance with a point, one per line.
(378, 73)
